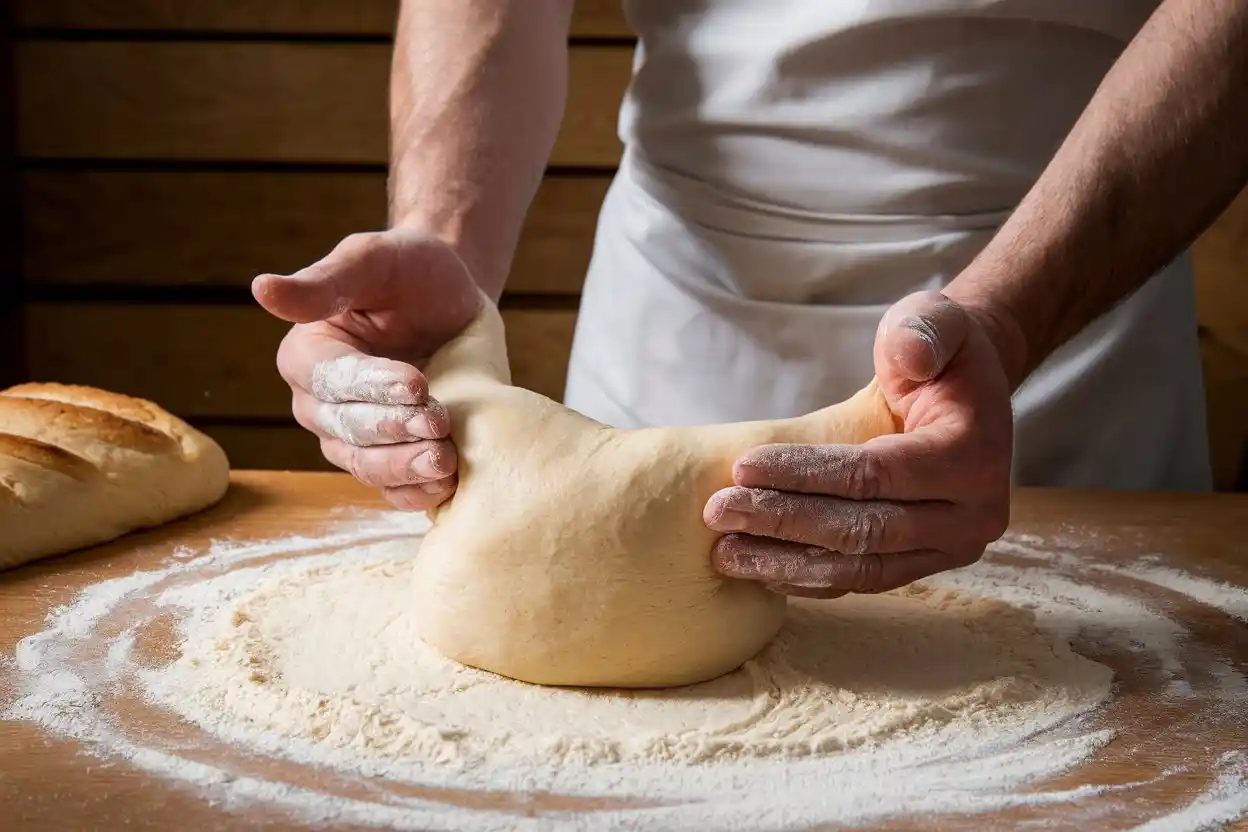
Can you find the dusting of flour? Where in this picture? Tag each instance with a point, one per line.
(321, 647)
(958, 695)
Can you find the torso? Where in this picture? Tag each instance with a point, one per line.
(794, 167)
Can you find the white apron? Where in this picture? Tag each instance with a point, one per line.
(794, 167)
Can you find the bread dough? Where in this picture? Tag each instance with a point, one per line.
(575, 554)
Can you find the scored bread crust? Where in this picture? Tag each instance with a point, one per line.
(81, 466)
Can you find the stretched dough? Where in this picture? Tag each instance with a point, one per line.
(575, 554)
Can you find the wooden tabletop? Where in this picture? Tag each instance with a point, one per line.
(48, 782)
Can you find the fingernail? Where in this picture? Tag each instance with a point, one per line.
(431, 488)
(398, 393)
(727, 511)
(730, 519)
(418, 426)
(428, 425)
(425, 465)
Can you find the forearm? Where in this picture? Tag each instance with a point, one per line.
(477, 94)
(1158, 153)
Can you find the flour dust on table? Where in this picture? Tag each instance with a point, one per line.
(295, 680)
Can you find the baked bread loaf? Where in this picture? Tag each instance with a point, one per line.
(81, 466)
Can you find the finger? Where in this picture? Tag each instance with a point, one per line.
(325, 363)
(326, 288)
(420, 497)
(919, 335)
(851, 526)
(411, 463)
(779, 562)
(910, 466)
(364, 423)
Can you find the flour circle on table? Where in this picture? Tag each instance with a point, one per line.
(299, 686)
(329, 653)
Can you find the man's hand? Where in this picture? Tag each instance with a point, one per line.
(826, 520)
(366, 318)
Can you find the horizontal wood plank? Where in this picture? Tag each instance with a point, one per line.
(223, 228)
(218, 361)
(591, 18)
(274, 102)
(269, 447)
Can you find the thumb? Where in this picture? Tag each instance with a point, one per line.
(919, 336)
(325, 288)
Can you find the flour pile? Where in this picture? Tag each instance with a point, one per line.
(321, 648)
(959, 695)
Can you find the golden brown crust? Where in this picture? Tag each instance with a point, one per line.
(59, 417)
(128, 407)
(80, 466)
(34, 452)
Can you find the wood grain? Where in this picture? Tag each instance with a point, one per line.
(274, 102)
(50, 784)
(218, 361)
(223, 228)
(591, 18)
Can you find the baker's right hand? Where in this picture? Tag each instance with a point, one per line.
(366, 317)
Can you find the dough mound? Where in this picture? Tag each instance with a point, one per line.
(575, 554)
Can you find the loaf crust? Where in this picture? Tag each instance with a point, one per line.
(81, 466)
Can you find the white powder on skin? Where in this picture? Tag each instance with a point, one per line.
(354, 378)
(753, 750)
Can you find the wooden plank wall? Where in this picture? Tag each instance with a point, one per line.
(12, 362)
(172, 149)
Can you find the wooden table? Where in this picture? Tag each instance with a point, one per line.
(49, 783)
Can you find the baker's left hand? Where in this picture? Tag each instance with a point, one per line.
(826, 520)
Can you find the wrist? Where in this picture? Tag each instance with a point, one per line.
(1001, 327)
(489, 275)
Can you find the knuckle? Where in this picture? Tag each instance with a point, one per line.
(784, 516)
(332, 450)
(397, 466)
(355, 461)
(357, 465)
(361, 242)
(862, 532)
(785, 526)
(286, 360)
(776, 513)
(865, 476)
(301, 409)
(406, 498)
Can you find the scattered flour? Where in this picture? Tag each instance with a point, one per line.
(962, 695)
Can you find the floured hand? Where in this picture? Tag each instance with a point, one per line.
(366, 317)
(826, 520)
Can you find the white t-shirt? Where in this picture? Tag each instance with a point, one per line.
(794, 167)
